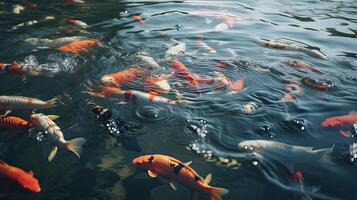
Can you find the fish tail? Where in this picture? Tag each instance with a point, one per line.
(75, 145)
(53, 102)
(217, 193)
(238, 85)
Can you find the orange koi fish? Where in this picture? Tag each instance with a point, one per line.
(204, 45)
(55, 136)
(77, 47)
(300, 65)
(157, 84)
(322, 85)
(178, 172)
(10, 103)
(341, 122)
(124, 76)
(15, 178)
(17, 68)
(138, 18)
(11, 122)
(181, 71)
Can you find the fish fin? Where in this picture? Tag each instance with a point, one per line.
(316, 188)
(6, 113)
(3, 163)
(323, 153)
(173, 185)
(352, 113)
(75, 145)
(188, 163)
(238, 85)
(152, 174)
(345, 133)
(53, 117)
(217, 193)
(52, 154)
(208, 178)
(53, 102)
(30, 172)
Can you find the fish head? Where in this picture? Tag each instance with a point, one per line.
(248, 146)
(144, 163)
(331, 122)
(30, 183)
(35, 118)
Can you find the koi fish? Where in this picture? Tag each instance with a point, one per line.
(204, 45)
(341, 122)
(175, 51)
(250, 107)
(10, 103)
(228, 18)
(178, 172)
(138, 18)
(12, 177)
(227, 82)
(147, 61)
(157, 84)
(221, 27)
(299, 153)
(18, 68)
(283, 44)
(124, 76)
(181, 71)
(77, 23)
(54, 134)
(11, 122)
(300, 65)
(77, 47)
(322, 85)
(134, 96)
(55, 43)
(17, 9)
(74, 1)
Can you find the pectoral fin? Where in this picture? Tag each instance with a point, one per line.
(52, 154)
(152, 174)
(173, 185)
(208, 178)
(53, 117)
(6, 113)
(345, 133)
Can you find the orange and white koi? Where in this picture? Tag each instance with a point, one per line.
(181, 71)
(11, 122)
(10, 103)
(343, 122)
(124, 76)
(227, 82)
(18, 68)
(204, 45)
(282, 44)
(55, 43)
(138, 18)
(77, 23)
(178, 172)
(55, 136)
(77, 47)
(12, 177)
(300, 65)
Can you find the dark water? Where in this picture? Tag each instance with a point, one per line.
(206, 131)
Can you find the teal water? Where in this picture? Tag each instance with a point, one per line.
(206, 131)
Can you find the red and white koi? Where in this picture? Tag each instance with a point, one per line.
(77, 23)
(178, 172)
(55, 136)
(343, 122)
(124, 76)
(227, 82)
(301, 65)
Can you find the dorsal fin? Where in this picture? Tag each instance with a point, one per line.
(208, 178)
(188, 163)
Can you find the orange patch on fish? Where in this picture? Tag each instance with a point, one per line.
(12, 122)
(138, 18)
(77, 47)
(238, 85)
